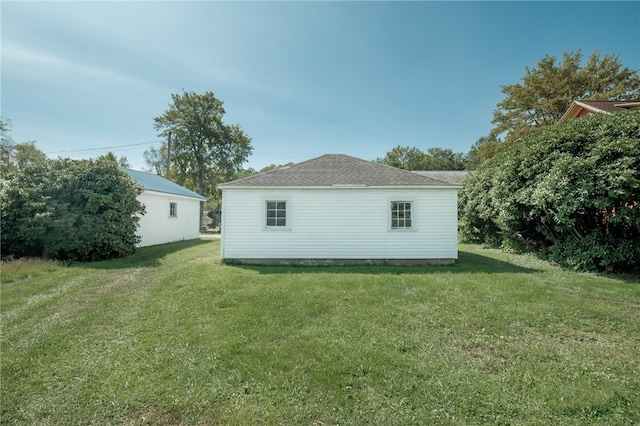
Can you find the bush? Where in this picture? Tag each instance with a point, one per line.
(79, 210)
(571, 190)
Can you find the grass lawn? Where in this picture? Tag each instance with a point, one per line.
(173, 336)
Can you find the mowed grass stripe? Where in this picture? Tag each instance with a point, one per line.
(173, 336)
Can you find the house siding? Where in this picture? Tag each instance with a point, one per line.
(340, 223)
(157, 227)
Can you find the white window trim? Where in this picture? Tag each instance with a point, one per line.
(289, 210)
(414, 213)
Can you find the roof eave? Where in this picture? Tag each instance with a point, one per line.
(347, 187)
(173, 194)
(575, 108)
(628, 104)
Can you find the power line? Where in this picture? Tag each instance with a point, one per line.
(103, 148)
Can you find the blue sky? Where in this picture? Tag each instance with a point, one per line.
(301, 78)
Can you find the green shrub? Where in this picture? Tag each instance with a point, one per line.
(571, 190)
(79, 210)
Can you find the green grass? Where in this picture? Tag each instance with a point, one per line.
(173, 336)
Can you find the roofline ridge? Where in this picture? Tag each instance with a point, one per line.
(277, 169)
(410, 171)
(261, 173)
(443, 171)
(383, 165)
(348, 161)
(147, 173)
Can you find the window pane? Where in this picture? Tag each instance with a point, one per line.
(276, 213)
(400, 214)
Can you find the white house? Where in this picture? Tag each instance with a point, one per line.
(172, 212)
(337, 209)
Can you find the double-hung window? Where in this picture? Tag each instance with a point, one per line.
(402, 215)
(173, 209)
(276, 214)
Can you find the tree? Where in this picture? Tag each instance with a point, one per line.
(404, 157)
(571, 190)
(14, 156)
(204, 150)
(548, 90)
(156, 160)
(411, 158)
(485, 148)
(27, 153)
(79, 210)
(122, 161)
(6, 145)
(444, 159)
(23, 207)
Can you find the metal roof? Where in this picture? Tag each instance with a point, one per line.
(151, 182)
(336, 170)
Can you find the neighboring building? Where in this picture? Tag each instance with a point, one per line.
(580, 108)
(450, 176)
(173, 213)
(337, 209)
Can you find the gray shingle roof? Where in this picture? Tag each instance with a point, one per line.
(450, 176)
(335, 170)
(156, 183)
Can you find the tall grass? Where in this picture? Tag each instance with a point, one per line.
(173, 336)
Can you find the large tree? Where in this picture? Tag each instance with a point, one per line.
(203, 149)
(547, 91)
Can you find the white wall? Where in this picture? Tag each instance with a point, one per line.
(157, 227)
(339, 223)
